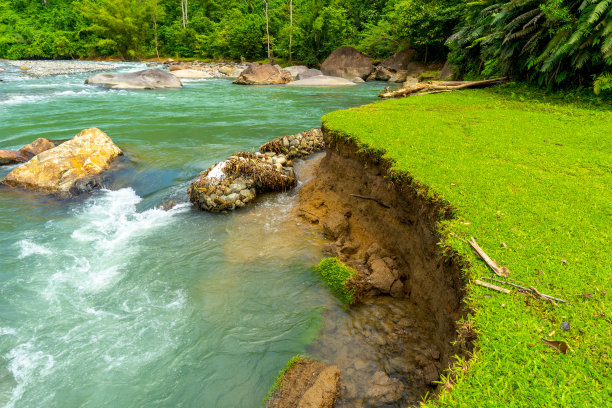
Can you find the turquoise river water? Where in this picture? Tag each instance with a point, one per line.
(108, 300)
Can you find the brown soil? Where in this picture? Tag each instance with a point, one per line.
(295, 383)
(389, 236)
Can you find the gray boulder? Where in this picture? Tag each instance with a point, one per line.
(145, 79)
(309, 73)
(348, 63)
(322, 80)
(295, 70)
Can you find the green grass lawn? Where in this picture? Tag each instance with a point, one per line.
(532, 183)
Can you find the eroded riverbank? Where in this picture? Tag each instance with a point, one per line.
(411, 295)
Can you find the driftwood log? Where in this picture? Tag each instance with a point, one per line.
(424, 88)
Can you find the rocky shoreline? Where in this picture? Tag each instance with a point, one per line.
(48, 68)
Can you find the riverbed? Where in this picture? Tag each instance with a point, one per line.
(107, 299)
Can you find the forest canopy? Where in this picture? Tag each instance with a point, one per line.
(553, 43)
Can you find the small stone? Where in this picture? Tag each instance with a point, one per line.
(381, 278)
(285, 142)
(335, 225)
(565, 326)
(397, 289)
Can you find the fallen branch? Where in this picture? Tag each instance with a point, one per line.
(530, 289)
(499, 271)
(424, 88)
(431, 92)
(372, 199)
(491, 286)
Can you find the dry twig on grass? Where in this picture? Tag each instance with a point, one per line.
(491, 286)
(499, 271)
(530, 290)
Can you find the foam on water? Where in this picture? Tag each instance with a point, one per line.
(30, 248)
(80, 303)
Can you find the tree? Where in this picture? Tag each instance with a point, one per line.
(122, 24)
(268, 31)
(290, 28)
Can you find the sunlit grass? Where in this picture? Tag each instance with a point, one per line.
(532, 182)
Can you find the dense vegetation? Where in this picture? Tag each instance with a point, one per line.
(553, 43)
(535, 193)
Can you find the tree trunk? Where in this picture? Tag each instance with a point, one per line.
(268, 32)
(290, 27)
(184, 13)
(155, 28)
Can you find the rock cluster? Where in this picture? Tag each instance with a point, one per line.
(235, 182)
(198, 69)
(68, 169)
(48, 68)
(26, 152)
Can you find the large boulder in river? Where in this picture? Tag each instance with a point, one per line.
(263, 74)
(26, 152)
(68, 169)
(145, 79)
(348, 63)
(322, 80)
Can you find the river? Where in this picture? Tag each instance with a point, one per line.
(108, 300)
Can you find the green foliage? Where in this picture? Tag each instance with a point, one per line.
(602, 83)
(530, 179)
(420, 24)
(336, 274)
(553, 43)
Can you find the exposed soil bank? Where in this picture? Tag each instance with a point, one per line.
(391, 241)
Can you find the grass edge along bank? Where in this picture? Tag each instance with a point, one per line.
(532, 182)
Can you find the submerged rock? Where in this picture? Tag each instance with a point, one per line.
(348, 63)
(145, 79)
(26, 152)
(385, 390)
(68, 169)
(263, 74)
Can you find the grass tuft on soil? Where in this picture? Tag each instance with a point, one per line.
(281, 374)
(532, 182)
(336, 274)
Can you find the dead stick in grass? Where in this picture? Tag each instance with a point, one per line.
(499, 271)
(491, 286)
(527, 290)
(372, 199)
